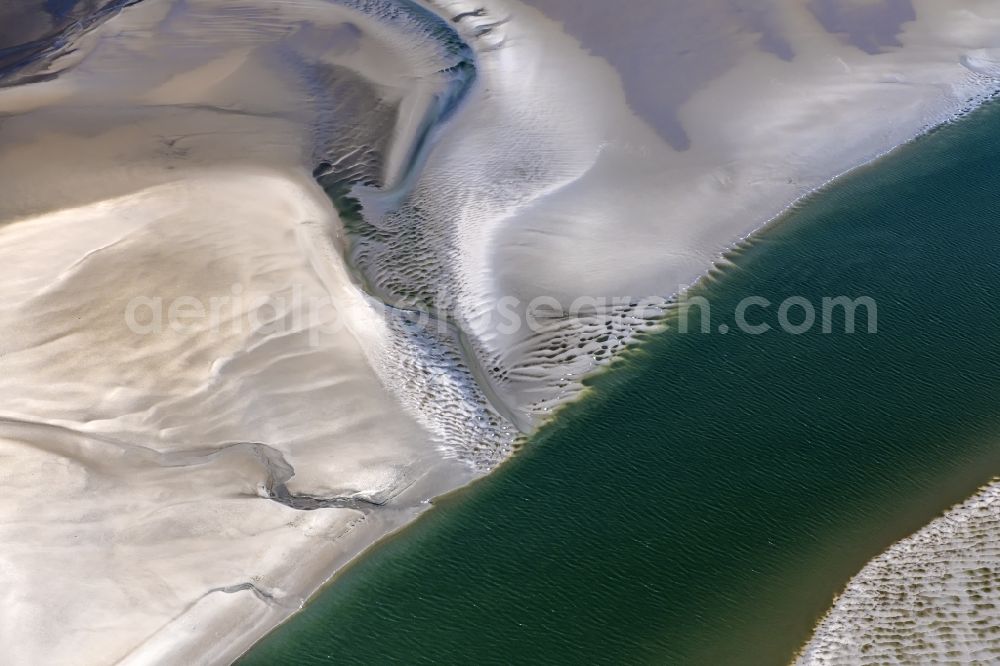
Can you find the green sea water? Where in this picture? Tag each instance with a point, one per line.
(712, 493)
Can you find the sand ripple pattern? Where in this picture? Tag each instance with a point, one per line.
(930, 599)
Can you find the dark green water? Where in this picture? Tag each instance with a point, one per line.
(704, 503)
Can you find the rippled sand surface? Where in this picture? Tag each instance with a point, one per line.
(931, 598)
(174, 486)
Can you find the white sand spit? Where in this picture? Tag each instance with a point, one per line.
(930, 599)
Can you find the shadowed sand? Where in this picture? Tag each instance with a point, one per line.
(172, 496)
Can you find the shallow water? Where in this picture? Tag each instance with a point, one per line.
(712, 493)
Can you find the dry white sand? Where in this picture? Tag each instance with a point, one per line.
(930, 599)
(137, 468)
(156, 482)
(150, 511)
(557, 182)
